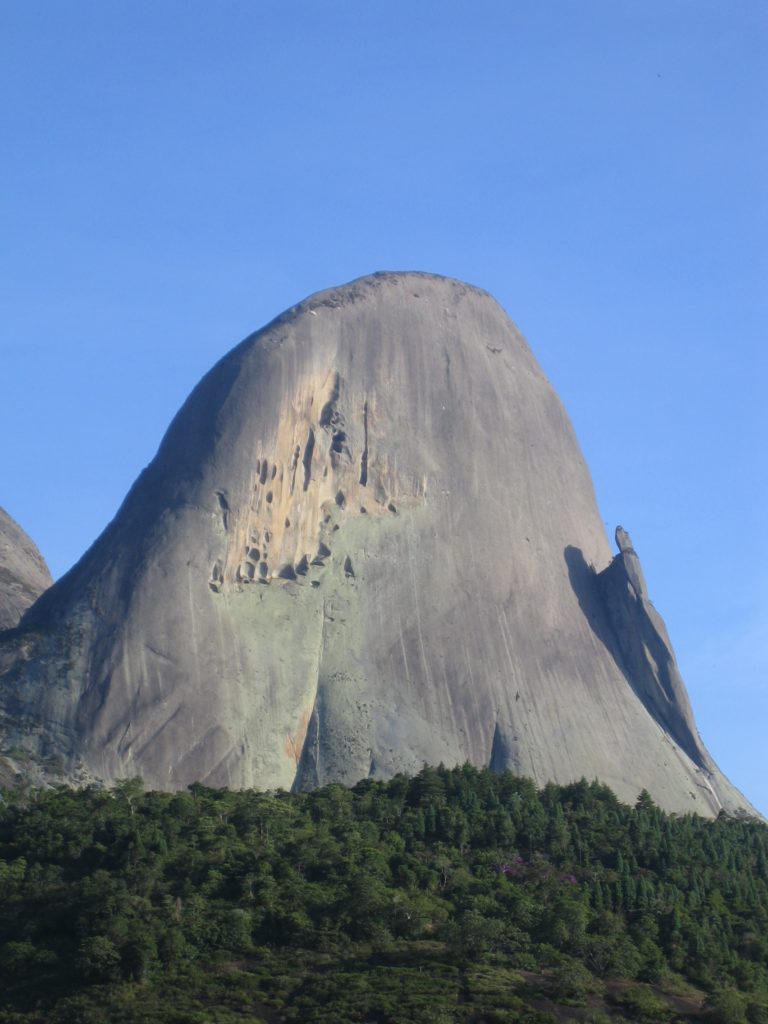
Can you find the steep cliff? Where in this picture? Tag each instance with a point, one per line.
(368, 541)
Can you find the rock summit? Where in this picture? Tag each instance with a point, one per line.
(368, 541)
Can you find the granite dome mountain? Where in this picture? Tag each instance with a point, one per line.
(368, 541)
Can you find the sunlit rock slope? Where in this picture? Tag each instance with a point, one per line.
(368, 541)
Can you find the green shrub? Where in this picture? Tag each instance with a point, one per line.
(643, 1005)
(570, 983)
(726, 1006)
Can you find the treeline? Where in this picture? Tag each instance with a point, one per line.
(456, 895)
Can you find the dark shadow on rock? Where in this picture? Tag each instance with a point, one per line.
(308, 767)
(635, 636)
(586, 585)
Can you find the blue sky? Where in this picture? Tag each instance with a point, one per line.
(177, 172)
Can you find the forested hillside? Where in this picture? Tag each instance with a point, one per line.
(454, 896)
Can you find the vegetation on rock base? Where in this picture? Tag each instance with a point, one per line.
(453, 896)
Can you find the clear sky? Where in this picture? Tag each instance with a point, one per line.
(177, 172)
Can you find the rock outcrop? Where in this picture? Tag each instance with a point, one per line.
(23, 572)
(368, 541)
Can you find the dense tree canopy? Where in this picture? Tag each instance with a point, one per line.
(456, 895)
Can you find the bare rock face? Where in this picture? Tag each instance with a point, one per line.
(367, 541)
(23, 573)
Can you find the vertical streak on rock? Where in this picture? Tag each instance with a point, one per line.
(294, 464)
(307, 460)
(329, 408)
(364, 457)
